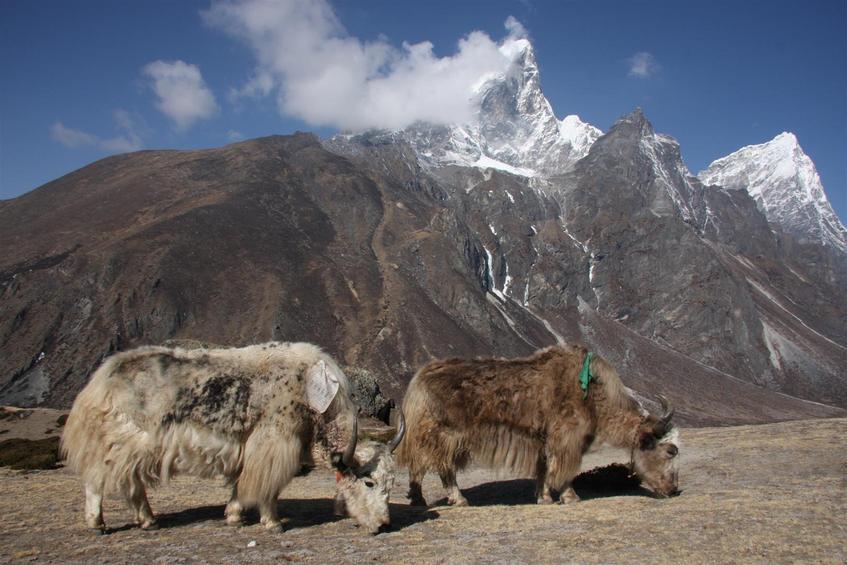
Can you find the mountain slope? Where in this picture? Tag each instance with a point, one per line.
(379, 262)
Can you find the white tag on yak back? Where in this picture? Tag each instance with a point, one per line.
(321, 386)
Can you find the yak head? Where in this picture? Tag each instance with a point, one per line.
(365, 476)
(655, 453)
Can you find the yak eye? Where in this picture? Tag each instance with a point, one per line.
(369, 483)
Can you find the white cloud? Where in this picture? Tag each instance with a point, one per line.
(260, 85)
(234, 135)
(129, 140)
(71, 137)
(643, 65)
(327, 78)
(515, 28)
(181, 91)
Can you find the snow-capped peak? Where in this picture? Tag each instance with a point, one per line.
(514, 129)
(785, 184)
(580, 135)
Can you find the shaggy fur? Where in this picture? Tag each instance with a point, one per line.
(527, 416)
(153, 412)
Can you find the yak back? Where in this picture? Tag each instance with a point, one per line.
(225, 390)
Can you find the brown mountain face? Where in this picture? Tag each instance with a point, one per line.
(352, 246)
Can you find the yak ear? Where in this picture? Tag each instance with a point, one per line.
(660, 428)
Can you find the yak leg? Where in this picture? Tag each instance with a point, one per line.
(270, 518)
(339, 505)
(454, 495)
(143, 513)
(140, 506)
(415, 491)
(564, 462)
(559, 477)
(542, 488)
(271, 459)
(233, 508)
(94, 507)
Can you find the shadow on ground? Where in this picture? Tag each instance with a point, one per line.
(294, 514)
(522, 491)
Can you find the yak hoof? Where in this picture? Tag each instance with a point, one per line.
(462, 501)
(417, 501)
(234, 520)
(99, 530)
(148, 526)
(273, 526)
(545, 499)
(569, 497)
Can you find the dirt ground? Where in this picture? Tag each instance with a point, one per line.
(762, 494)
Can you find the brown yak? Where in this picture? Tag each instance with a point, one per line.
(531, 416)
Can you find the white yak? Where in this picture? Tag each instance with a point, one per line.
(246, 414)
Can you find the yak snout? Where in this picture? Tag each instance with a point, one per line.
(667, 486)
(383, 528)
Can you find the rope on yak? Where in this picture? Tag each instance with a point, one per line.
(585, 375)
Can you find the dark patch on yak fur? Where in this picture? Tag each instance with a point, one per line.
(220, 402)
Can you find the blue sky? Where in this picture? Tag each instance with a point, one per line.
(80, 79)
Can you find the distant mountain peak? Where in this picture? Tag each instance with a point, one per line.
(632, 143)
(785, 184)
(635, 122)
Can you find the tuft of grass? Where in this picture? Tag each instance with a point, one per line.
(27, 454)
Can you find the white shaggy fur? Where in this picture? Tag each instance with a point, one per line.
(241, 413)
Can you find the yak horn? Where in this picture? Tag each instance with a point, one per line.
(350, 452)
(666, 408)
(401, 431)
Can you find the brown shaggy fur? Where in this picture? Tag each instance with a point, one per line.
(525, 415)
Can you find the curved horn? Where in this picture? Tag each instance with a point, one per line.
(350, 452)
(401, 431)
(666, 408)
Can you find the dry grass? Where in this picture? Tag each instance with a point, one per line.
(29, 454)
(772, 493)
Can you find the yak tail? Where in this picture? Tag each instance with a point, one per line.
(101, 443)
(415, 410)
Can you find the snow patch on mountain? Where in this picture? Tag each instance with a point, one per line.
(783, 181)
(486, 162)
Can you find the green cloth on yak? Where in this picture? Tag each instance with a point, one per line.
(585, 375)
